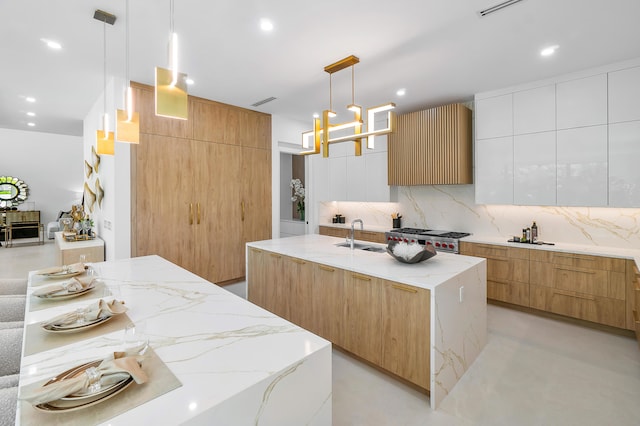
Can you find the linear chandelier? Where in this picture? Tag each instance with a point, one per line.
(320, 136)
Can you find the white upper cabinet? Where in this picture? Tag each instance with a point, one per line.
(624, 95)
(534, 110)
(534, 169)
(494, 171)
(624, 173)
(337, 178)
(494, 117)
(582, 166)
(377, 189)
(582, 102)
(356, 178)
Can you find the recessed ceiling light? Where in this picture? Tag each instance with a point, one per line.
(31, 114)
(266, 25)
(316, 115)
(30, 99)
(548, 51)
(401, 92)
(189, 81)
(30, 124)
(52, 44)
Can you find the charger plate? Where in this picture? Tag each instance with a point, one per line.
(75, 328)
(66, 294)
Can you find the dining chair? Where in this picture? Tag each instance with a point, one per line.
(12, 307)
(10, 351)
(8, 406)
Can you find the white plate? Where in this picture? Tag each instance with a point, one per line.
(63, 274)
(79, 401)
(75, 327)
(66, 294)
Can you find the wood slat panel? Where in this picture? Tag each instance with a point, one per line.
(431, 147)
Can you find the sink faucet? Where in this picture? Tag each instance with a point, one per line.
(352, 238)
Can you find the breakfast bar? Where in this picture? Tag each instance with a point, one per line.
(212, 357)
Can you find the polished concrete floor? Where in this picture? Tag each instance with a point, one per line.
(533, 371)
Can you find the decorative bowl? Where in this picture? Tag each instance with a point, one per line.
(427, 253)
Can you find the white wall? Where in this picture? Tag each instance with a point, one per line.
(115, 177)
(50, 164)
(286, 136)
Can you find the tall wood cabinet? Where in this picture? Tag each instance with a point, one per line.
(202, 187)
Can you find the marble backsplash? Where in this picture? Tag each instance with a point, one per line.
(452, 207)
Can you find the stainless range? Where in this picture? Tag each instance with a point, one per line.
(445, 241)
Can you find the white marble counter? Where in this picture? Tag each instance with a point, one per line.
(623, 253)
(458, 290)
(238, 364)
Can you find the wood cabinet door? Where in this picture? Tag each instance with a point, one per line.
(152, 124)
(406, 332)
(256, 278)
(298, 274)
(164, 191)
(255, 202)
(328, 302)
(363, 319)
(265, 284)
(219, 249)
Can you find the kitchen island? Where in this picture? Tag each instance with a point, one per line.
(425, 323)
(230, 362)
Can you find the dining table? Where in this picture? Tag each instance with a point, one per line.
(209, 357)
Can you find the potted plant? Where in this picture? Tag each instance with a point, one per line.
(298, 196)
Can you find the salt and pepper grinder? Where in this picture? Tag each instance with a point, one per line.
(534, 233)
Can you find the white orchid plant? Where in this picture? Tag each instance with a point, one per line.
(298, 195)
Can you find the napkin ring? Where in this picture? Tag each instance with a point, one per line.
(94, 379)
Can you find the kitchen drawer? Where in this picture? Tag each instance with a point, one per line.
(510, 292)
(372, 236)
(505, 270)
(333, 232)
(579, 260)
(493, 252)
(601, 310)
(595, 282)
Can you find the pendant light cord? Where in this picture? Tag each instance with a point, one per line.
(104, 37)
(128, 17)
(353, 90)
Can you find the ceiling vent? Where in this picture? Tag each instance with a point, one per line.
(497, 7)
(264, 101)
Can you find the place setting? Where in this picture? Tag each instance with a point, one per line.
(99, 318)
(127, 377)
(64, 271)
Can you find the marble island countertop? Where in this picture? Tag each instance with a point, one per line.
(322, 249)
(236, 363)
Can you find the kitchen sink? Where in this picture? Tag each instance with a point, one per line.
(360, 246)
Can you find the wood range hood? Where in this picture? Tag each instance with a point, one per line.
(431, 147)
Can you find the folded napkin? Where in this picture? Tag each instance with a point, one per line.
(64, 269)
(73, 285)
(100, 309)
(111, 370)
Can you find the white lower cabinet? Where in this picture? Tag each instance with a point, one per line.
(534, 169)
(624, 173)
(582, 166)
(494, 171)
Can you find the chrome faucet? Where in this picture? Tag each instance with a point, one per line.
(351, 238)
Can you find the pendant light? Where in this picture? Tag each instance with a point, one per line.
(128, 120)
(171, 84)
(105, 138)
(321, 134)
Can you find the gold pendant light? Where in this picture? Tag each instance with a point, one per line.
(105, 138)
(321, 134)
(171, 85)
(128, 120)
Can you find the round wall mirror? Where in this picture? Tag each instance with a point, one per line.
(13, 191)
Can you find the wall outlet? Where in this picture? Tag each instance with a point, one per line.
(461, 294)
(107, 224)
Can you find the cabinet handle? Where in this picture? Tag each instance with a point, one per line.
(198, 213)
(326, 268)
(242, 207)
(299, 261)
(361, 277)
(403, 288)
(277, 256)
(568, 256)
(190, 213)
(576, 270)
(569, 294)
